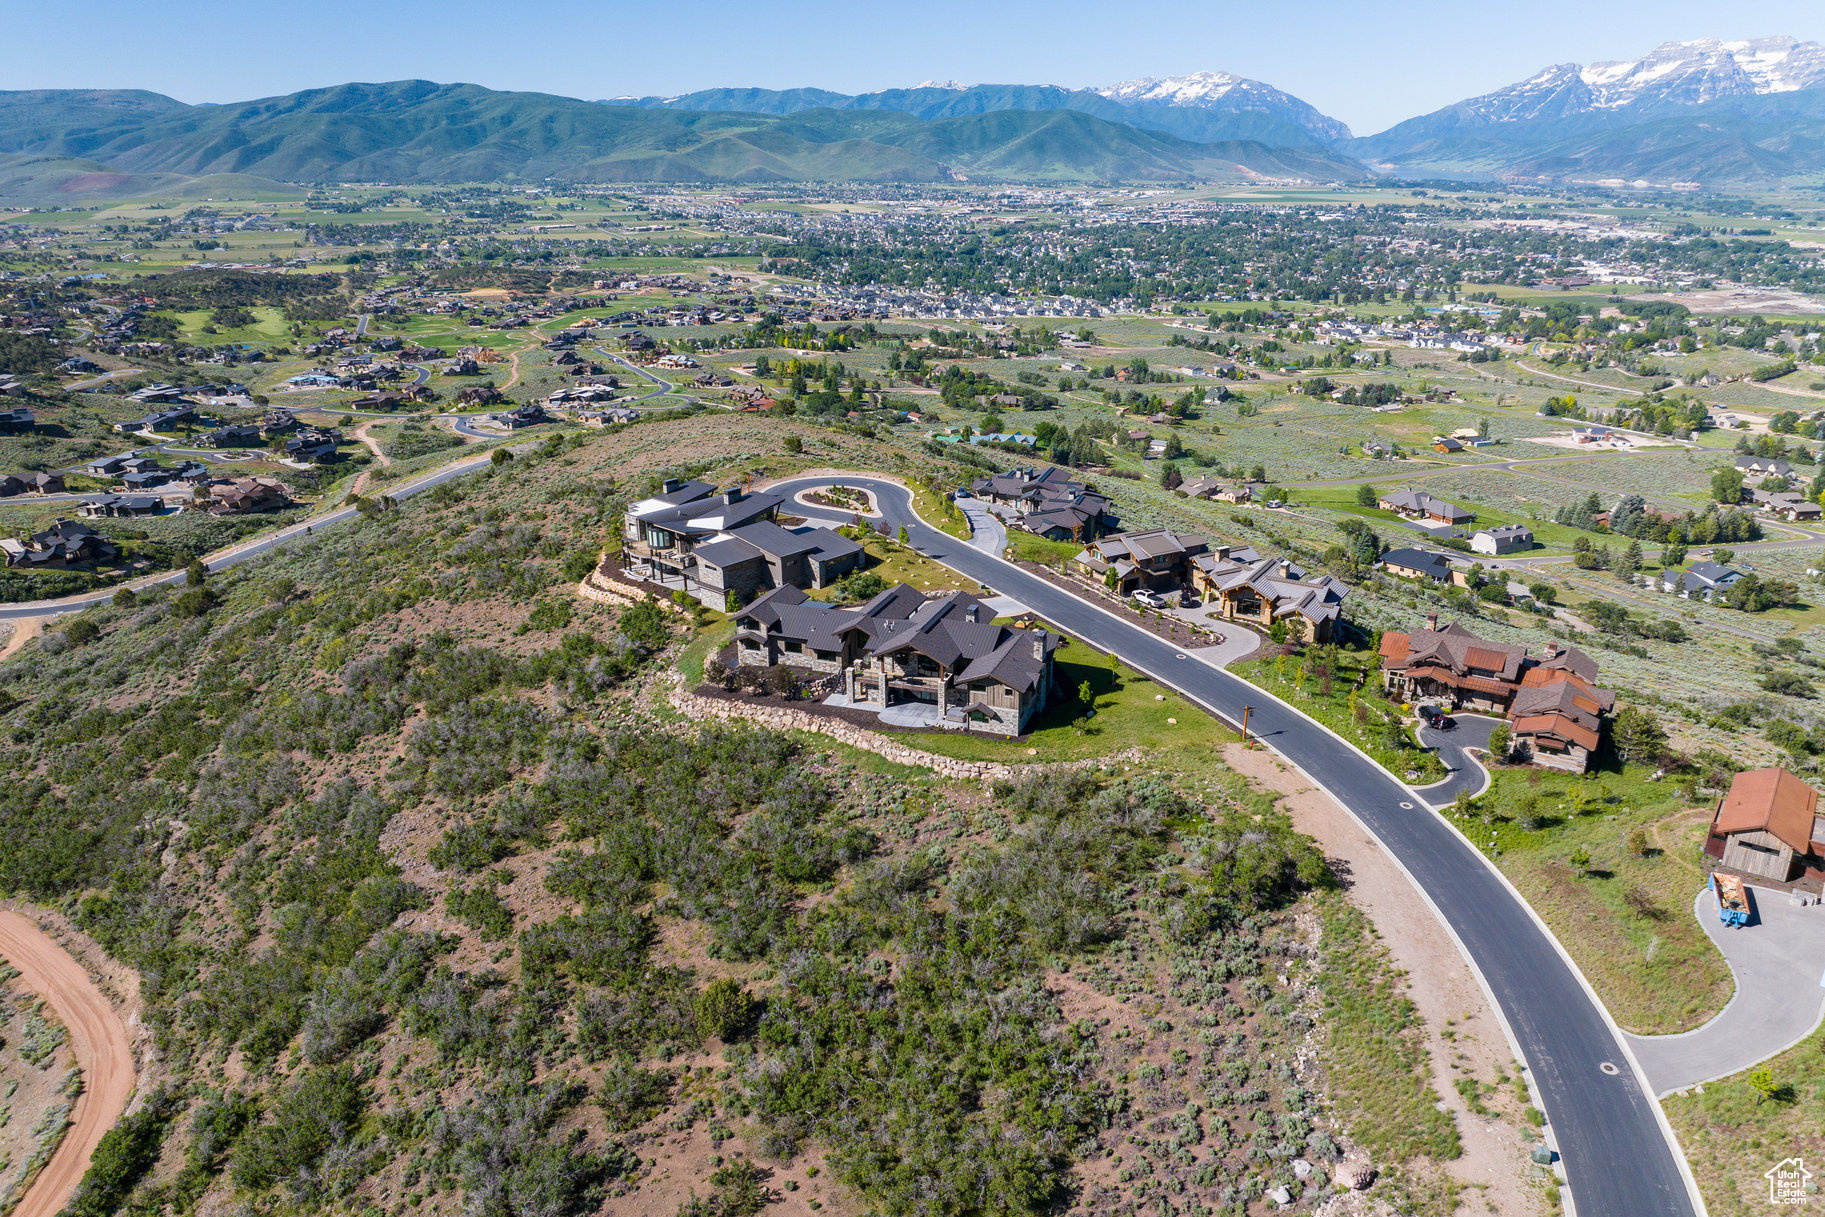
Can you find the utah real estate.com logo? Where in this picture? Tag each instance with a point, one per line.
(1787, 1181)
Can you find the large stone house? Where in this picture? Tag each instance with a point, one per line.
(1241, 585)
(1552, 702)
(716, 544)
(899, 647)
(1047, 502)
(1157, 559)
(1768, 827)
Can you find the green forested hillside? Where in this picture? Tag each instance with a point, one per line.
(419, 131)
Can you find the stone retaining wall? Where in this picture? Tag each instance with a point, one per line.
(604, 589)
(786, 718)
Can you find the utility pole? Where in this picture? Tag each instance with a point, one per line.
(1245, 713)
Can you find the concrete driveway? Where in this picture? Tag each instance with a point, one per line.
(1778, 960)
(987, 532)
(1467, 773)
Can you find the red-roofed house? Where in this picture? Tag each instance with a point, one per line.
(1554, 706)
(1768, 827)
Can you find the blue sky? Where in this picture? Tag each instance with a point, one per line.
(1368, 64)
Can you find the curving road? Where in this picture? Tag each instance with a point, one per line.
(1620, 1156)
(97, 1040)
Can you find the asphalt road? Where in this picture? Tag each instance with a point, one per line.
(253, 549)
(1618, 1156)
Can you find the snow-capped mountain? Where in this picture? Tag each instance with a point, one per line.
(1673, 73)
(1706, 110)
(1199, 88)
(1693, 73)
(1224, 90)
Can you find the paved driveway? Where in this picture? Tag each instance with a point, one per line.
(988, 533)
(1467, 773)
(1778, 960)
(1619, 1161)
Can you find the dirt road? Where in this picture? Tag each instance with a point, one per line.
(372, 445)
(1463, 1036)
(99, 1041)
(24, 630)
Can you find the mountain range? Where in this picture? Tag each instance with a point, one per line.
(1743, 113)
(418, 131)
(1203, 107)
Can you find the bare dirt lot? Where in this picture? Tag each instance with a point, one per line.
(1464, 1038)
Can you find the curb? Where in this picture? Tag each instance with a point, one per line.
(1621, 1037)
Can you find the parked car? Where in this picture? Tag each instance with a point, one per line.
(1147, 599)
(1436, 718)
(1188, 598)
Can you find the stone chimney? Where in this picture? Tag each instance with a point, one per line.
(671, 484)
(1432, 621)
(732, 494)
(1039, 647)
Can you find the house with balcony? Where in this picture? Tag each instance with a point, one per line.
(717, 544)
(1048, 503)
(65, 543)
(946, 654)
(1552, 702)
(1157, 559)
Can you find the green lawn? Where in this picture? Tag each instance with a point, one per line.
(1733, 1131)
(1349, 702)
(1552, 537)
(1131, 711)
(269, 329)
(1627, 920)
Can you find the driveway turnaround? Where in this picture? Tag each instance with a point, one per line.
(1778, 960)
(1619, 1154)
(1466, 772)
